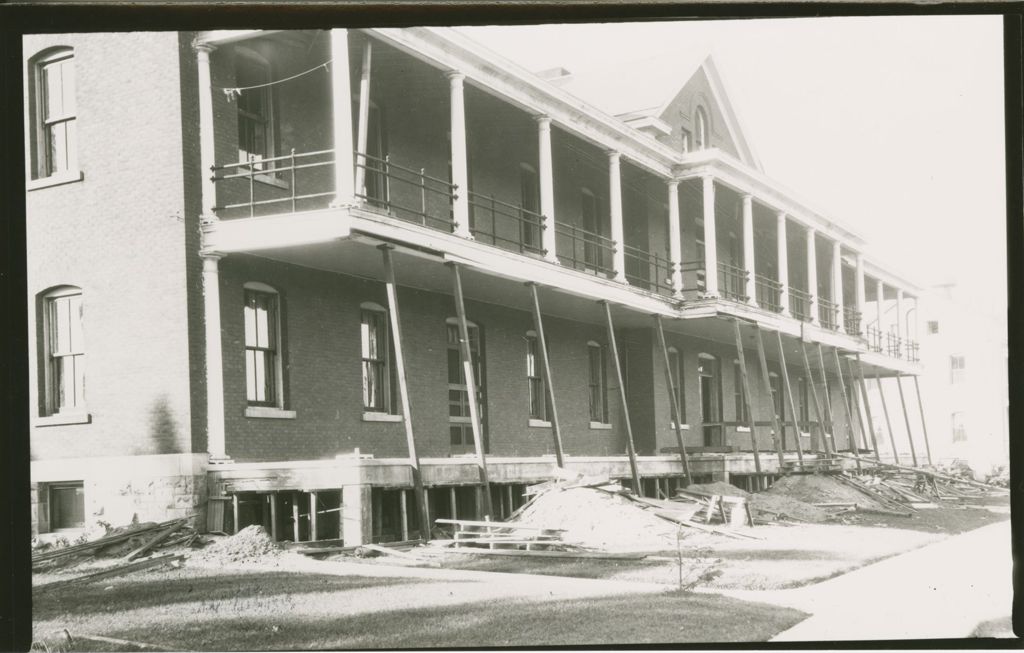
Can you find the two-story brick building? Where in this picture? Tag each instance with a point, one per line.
(224, 226)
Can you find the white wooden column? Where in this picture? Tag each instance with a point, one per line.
(710, 238)
(783, 262)
(860, 288)
(675, 240)
(812, 276)
(837, 285)
(880, 305)
(545, 172)
(460, 167)
(900, 318)
(364, 118)
(207, 151)
(215, 441)
(748, 249)
(615, 208)
(341, 113)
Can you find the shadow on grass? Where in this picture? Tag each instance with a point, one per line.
(132, 593)
(576, 568)
(635, 619)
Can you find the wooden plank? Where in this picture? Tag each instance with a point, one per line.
(156, 539)
(746, 397)
(702, 527)
(215, 514)
(918, 470)
(792, 402)
(924, 424)
(496, 525)
(549, 386)
(906, 419)
(78, 549)
(867, 405)
(630, 445)
(677, 418)
(888, 424)
(471, 389)
(599, 555)
(766, 381)
(403, 390)
(111, 572)
(823, 445)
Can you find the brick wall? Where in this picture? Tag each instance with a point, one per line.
(681, 110)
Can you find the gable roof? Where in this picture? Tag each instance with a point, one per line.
(644, 88)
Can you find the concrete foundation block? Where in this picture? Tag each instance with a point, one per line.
(356, 515)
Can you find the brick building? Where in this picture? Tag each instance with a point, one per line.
(213, 221)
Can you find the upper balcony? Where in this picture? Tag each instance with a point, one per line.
(431, 151)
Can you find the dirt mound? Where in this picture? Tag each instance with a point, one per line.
(597, 519)
(819, 488)
(251, 544)
(718, 487)
(779, 505)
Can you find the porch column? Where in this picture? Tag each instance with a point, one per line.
(675, 241)
(341, 112)
(545, 171)
(364, 118)
(899, 313)
(783, 257)
(812, 276)
(859, 277)
(460, 173)
(615, 208)
(880, 305)
(710, 238)
(215, 442)
(207, 152)
(748, 248)
(837, 285)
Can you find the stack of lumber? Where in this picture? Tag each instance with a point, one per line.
(503, 535)
(130, 542)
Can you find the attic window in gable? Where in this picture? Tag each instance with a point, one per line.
(700, 123)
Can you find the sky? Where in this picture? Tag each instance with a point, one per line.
(892, 126)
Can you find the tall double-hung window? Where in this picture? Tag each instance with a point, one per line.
(64, 352)
(262, 346)
(377, 361)
(598, 383)
(54, 113)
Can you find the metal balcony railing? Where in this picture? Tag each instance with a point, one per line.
(851, 321)
(828, 314)
(800, 304)
(406, 193)
(648, 271)
(894, 345)
(913, 353)
(693, 274)
(874, 337)
(505, 225)
(769, 293)
(584, 250)
(732, 282)
(292, 182)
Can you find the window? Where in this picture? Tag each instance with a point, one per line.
(959, 428)
(700, 122)
(64, 352)
(684, 139)
(777, 400)
(67, 505)
(538, 393)
(598, 383)
(675, 368)
(933, 326)
(460, 426)
(256, 133)
(741, 405)
(53, 113)
(378, 361)
(957, 369)
(262, 346)
(802, 404)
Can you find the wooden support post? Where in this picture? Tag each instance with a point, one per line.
(471, 387)
(312, 516)
(906, 419)
(924, 426)
(746, 398)
(273, 517)
(403, 508)
(823, 445)
(234, 513)
(888, 424)
(850, 435)
(630, 447)
(295, 516)
(855, 404)
(508, 494)
(549, 385)
(766, 382)
(677, 413)
(265, 510)
(452, 503)
(377, 514)
(833, 444)
(403, 390)
(341, 515)
(792, 402)
(867, 406)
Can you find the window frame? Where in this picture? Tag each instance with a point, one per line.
(701, 129)
(269, 126)
(539, 409)
(600, 384)
(276, 401)
(50, 406)
(54, 514)
(957, 369)
(41, 169)
(477, 352)
(675, 367)
(387, 392)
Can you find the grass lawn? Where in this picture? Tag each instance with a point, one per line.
(199, 609)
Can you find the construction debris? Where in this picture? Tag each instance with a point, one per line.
(251, 544)
(133, 540)
(109, 572)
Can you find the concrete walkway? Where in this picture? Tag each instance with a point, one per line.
(943, 590)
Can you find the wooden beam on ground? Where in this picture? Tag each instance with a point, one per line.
(792, 401)
(471, 388)
(746, 398)
(823, 445)
(153, 541)
(833, 445)
(850, 435)
(934, 474)
(403, 389)
(630, 447)
(549, 385)
(924, 425)
(906, 420)
(867, 406)
(766, 382)
(312, 516)
(888, 423)
(677, 419)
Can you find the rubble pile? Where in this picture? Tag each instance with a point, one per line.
(820, 488)
(251, 544)
(771, 505)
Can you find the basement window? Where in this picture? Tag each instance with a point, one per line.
(67, 506)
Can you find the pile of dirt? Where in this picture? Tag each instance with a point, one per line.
(251, 544)
(597, 519)
(820, 488)
(719, 487)
(774, 506)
